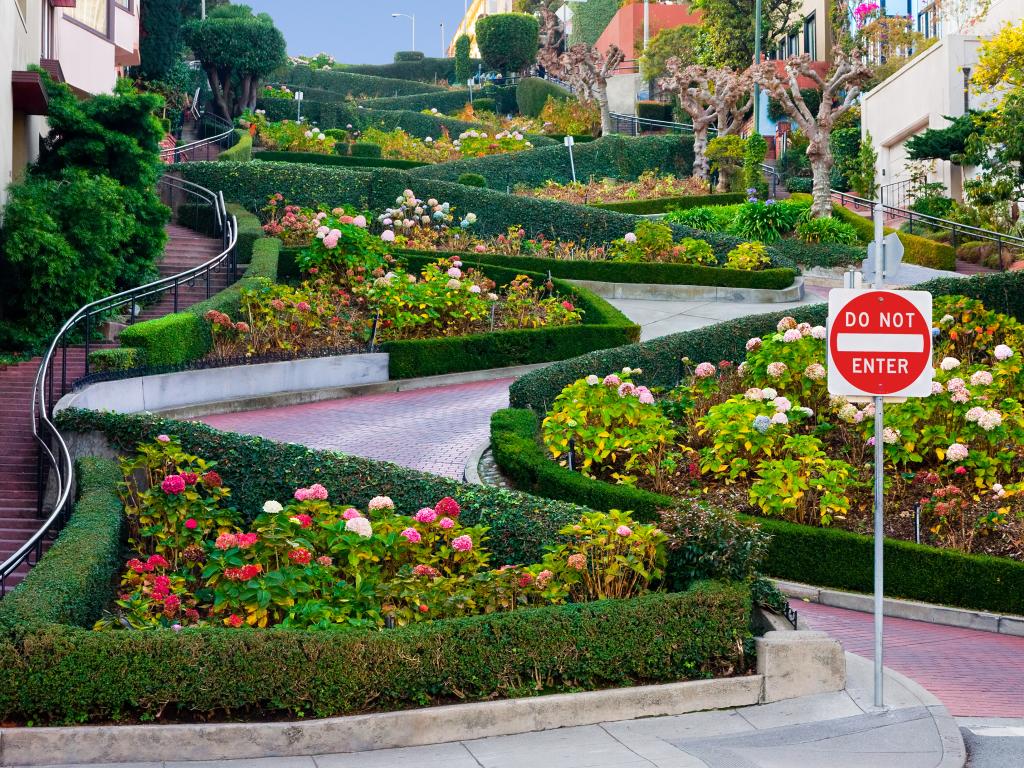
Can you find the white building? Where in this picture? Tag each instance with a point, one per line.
(81, 42)
(475, 10)
(933, 85)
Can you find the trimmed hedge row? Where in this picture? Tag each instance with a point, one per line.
(72, 583)
(827, 255)
(426, 69)
(182, 337)
(533, 93)
(448, 101)
(617, 157)
(241, 150)
(917, 250)
(665, 204)
(316, 158)
(821, 556)
(249, 231)
(356, 85)
(252, 183)
(659, 358)
(628, 272)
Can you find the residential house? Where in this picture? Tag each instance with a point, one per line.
(84, 43)
(932, 86)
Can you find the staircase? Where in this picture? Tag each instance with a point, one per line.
(18, 481)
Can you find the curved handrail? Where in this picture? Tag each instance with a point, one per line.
(57, 455)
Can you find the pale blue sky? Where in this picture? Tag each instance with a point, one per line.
(362, 31)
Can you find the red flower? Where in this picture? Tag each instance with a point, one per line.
(246, 540)
(960, 471)
(189, 477)
(191, 524)
(303, 520)
(424, 609)
(192, 614)
(525, 580)
(138, 566)
(568, 305)
(300, 556)
(447, 507)
(172, 603)
(173, 484)
(234, 620)
(157, 561)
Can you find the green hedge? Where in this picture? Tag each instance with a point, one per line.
(241, 150)
(617, 157)
(364, 149)
(182, 337)
(72, 583)
(449, 101)
(252, 183)
(826, 255)
(427, 70)
(115, 359)
(352, 161)
(356, 85)
(917, 250)
(629, 272)
(532, 94)
(249, 231)
(821, 556)
(665, 204)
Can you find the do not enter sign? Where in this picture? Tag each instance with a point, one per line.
(879, 343)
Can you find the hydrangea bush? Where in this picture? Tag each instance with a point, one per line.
(766, 435)
(311, 562)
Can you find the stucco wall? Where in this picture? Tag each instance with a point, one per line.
(86, 57)
(19, 47)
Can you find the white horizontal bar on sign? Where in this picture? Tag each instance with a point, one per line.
(879, 342)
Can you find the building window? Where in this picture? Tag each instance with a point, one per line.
(124, 4)
(91, 13)
(810, 40)
(793, 44)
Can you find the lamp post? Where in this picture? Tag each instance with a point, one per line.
(757, 62)
(443, 51)
(411, 18)
(298, 106)
(647, 23)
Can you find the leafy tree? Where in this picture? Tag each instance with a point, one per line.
(753, 157)
(710, 96)
(862, 174)
(533, 6)
(839, 93)
(1001, 60)
(726, 156)
(729, 27)
(237, 50)
(811, 97)
(590, 19)
(508, 42)
(945, 143)
(59, 248)
(463, 64)
(845, 146)
(688, 44)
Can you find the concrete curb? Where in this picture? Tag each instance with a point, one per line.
(472, 472)
(954, 752)
(300, 397)
(363, 733)
(669, 292)
(907, 609)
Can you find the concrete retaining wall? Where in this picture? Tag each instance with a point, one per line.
(212, 385)
(660, 292)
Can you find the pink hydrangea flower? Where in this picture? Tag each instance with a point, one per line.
(785, 324)
(303, 521)
(425, 570)
(612, 380)
(167, 439)
(359, 221)
(246, 540)
(191, 524)
(792, 335)
(446, 523)
(1002, 352)
(815, 372)
(318, 492)
(630, 237)
(777, 370)
(578, 561)
(704, 371)
(981, 378)
(426, 515)
(301, 494)
(544, 577)
(754, 394)
(360, 525)
(455, 273)
(957, 452)
(645, 396)
(381, 502)
(624, 530)
(625, 388)
(780, 418)
(411, 535)
(325, 561)
(818, 332)
(387, 236)
(448, 507)
(462, 543)
(754, 343)
(226, 541)
(173, 485)
(351, 513)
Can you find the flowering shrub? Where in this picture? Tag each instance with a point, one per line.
(412, 214)
(290, 136)
(649, 185)
(311, 562)
(342, 247)
(474, 143)
(768, 431)
(652, 241)
(570, 116)
(293, 224)
(399, 145)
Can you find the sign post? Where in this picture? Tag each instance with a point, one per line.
(879, 348)
(569, 141)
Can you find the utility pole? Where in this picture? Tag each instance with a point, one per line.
(757, 62)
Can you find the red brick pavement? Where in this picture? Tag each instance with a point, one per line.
(433, 430)
(975, 674)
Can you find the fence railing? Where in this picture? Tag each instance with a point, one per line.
(56, 480)
(895, 194)
(217, 133)
(959, 233)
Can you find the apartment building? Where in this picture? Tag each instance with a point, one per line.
(474, 11)
(84, 43)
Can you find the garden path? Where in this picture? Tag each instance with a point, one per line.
(18, 519)
(973, 673)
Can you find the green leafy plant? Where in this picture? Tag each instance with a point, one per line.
(508, 41)
(748, 256)
(765, 221)
(826, 230)
(801, 482)
(753, 157)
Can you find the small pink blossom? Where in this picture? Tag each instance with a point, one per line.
(425, 515)
(446, 522)
(163, 438)
(777, 370)
(173, 485)
(351, 513)
(704, 371)
(612, 380)
(411, 535)
(625, 388)
(462, 543)
(624, 530)
(226, 541)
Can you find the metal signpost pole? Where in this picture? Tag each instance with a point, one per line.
(879, 478)
(569, 141)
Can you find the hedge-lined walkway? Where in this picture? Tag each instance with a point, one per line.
(432, 430)
(973, 673)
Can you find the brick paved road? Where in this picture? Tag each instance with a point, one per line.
(433, 430)
(973, 673)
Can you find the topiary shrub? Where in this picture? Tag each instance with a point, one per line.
(241, 150)
(401, 56)
(508, 42)
(532, 94)
(654, 110)
(115, 359)
(472, 180)
(365, 149)
(484, 105)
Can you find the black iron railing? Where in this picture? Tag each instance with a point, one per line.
(217, 133)
(56, 479)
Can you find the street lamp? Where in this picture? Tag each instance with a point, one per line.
(413, 18)
(443, 49)
(757, 63)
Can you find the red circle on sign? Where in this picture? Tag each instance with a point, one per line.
(880, 343)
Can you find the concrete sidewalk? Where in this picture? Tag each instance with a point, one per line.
(833, 730)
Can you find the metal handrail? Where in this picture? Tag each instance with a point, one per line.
(177, 154)
(194, 109)
(56, 454)
(961, 232)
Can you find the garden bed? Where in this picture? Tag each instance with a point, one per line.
(350, 161)
(80, 675)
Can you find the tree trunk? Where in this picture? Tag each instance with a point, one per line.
(606, 113)
(820, 155)
(700, 147)
(219, 95)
